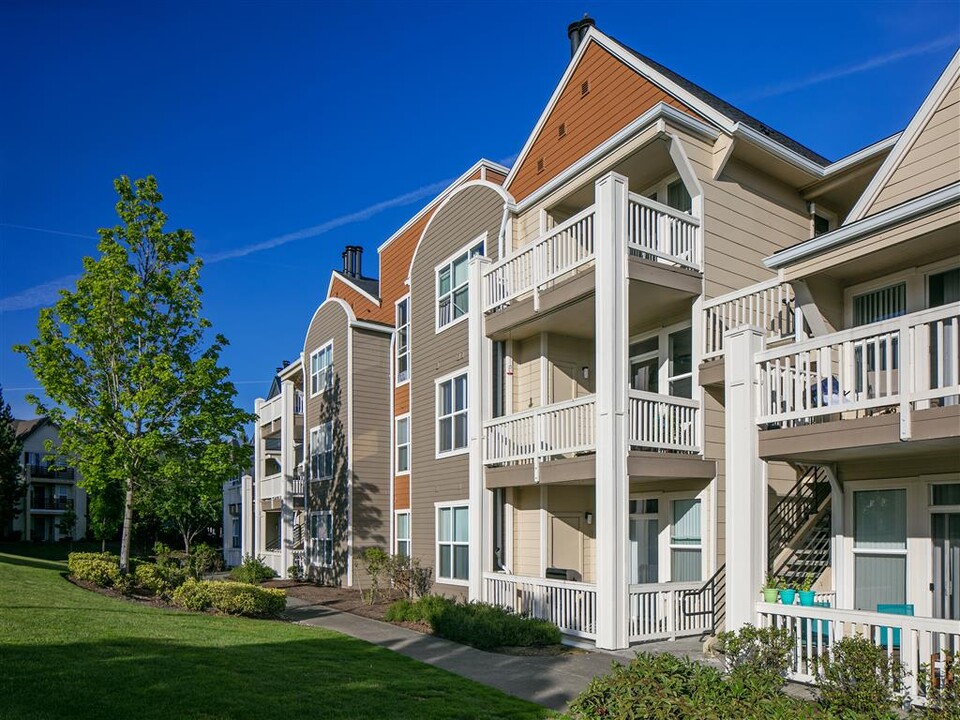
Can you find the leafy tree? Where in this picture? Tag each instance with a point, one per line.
(125, 358)
(12, 486)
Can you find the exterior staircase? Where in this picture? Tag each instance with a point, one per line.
(799, 529)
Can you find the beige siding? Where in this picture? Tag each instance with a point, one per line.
(370, 444)
(932, 162)
(526, 531)
(330, 323)
(461, 220)
(526, 374)
(577, 501)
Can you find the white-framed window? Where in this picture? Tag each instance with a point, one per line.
(453, 542)
(235, 532)
(403, 533)
(321, 538)
(403, 445)
(686, 541)
(645, 540)
(662, 362)
(879, 547)
(321, 369)
(403, 340)
(452, 414)
(453, 291)
(672, 193)
(321, 451)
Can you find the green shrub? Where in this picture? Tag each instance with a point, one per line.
(253, 570)
(203, 559)
(859, 677)
(102, 569)
(230, 598)
(759, 656)
(664, 686)
(478, 624)
(408, 576)
(943, 696)
(158, 580)
(376, 562)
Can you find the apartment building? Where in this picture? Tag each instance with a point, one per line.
(556, 395)
(54, 506)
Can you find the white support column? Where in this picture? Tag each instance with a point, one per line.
(612, 482)
(746, 476)
(247, 517)
(478, 398)
(837, 514)
(256, 517)
(288, 461)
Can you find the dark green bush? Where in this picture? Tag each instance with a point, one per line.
(478, 624)
(663, 686)
(230, 598)
(203, 559)
(859, 677)
(758, 656)
(102, 569)
(943, 696)
(158, 580)
(253, 570)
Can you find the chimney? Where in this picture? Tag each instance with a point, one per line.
(577, 30)
(352, 255)
(286, 363)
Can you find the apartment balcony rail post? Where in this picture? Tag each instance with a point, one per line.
(612, 485)
(288, 460)
(478, 399)
(258, 474)
(247, 516)
(746, 481)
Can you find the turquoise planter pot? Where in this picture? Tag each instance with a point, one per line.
(806, 597)
(787, 597)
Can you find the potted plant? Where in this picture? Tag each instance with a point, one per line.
(770, 589)
(806, 592)
(788, 595)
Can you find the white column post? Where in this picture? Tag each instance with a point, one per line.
(288, 459)
(247, 517)
(257, 517)
(837, 514)
(746, 477)
(612, 484)
(478, 398)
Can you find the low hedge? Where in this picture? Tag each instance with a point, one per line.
(230, 598)
(481, 625)
(158, 580)
(102, 569)
(252, 570)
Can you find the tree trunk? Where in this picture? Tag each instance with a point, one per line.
(127, 526)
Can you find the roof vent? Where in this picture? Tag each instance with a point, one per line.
(584, 88)
(576, 31)
(352, 256)
(540, 165)
(562, 130)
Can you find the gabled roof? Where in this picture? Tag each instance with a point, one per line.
(25, 428)
(908, 137)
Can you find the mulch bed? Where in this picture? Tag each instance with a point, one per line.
(148, 600)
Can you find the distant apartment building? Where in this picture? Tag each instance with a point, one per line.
(668, 351)
(53, 496)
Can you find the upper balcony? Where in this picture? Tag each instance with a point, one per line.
(665, 248)
(49, 472)
(880, 388)
(272, 410)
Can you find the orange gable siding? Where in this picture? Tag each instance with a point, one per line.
(495, 177)
(401, 492)
(617, 96)
(395, 266)
(401, 400)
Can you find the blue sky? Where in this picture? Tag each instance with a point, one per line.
(262, 120)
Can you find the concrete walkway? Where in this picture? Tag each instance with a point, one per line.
(552, 681)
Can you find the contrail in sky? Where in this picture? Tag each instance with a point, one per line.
(874, 62)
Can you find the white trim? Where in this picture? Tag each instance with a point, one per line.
(396, 536)
(349, 444)
(871, 224)
(344, 305)
(859, 156)
(906, 139)
(309, 454)
(465, 372)
(327, 385)
(437, 506)
(394, 348)
(778, 150)
(289, 371)
(496, 167)
(448, 262)
(372, 327)
(336, 274)
(396, 445)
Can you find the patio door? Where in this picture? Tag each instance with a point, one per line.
(644, 541)
(945, 534)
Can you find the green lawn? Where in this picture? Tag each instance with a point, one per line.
(66, 652)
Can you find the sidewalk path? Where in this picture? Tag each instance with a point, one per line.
(552, 681)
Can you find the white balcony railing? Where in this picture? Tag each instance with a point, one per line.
(654, 231)
(658, 232)
(542, 433)
(571, 606)
(662, 422)
(272, 486)
(769, 305)
(295, 485)
(271, 410)
(903, 364)
(914, 641)
(668, 610)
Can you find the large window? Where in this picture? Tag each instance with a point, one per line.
(672, 193)
(453, 293)
(663, 363)
(685, 541)
(235, 532)
(452, 414)
(453, 542)
(883, 304)
(321, 538)
(321, 369)
(880, 548)
(403, 445)
(403, 340)
(321, 451)
(403, 533)
(644, 541)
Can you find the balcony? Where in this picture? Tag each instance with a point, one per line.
(656, 422)
(770, 306)
(56, 503)
(655, 232)
(48, 472)
(271, 486)
(272, 409)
